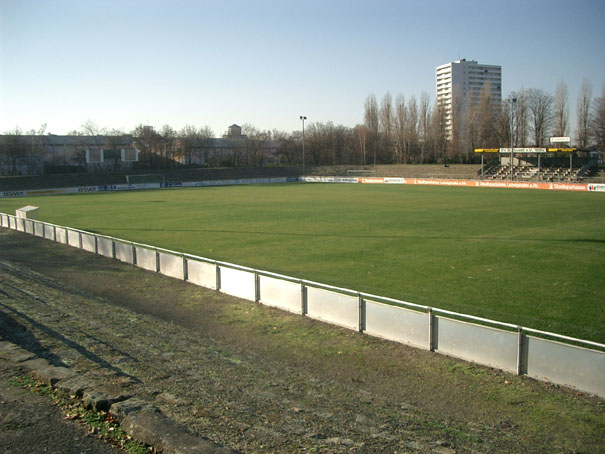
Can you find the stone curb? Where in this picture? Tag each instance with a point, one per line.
(150, 426)
(138, 418)
(43, 371)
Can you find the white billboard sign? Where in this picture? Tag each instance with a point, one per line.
(523, 150)
(560, 139)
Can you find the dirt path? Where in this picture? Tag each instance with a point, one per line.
(260, 380)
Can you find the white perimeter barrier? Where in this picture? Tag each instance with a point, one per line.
(551, 357)
(582, 187)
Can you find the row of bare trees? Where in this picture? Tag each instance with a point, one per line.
(31, 153)
(410, 130)
(17, 153)
(394, 130)
(191, 146)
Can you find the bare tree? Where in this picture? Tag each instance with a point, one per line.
(205, 135)
(387, 120)
(188, 141)
(167, 145)
(371, 121)
(471, 129)
(288, 150)
(113, 140)
(90, 128)
(438, 133)
(147, 141)
(506, 123)
(192, 145)
(583, 113)
(521, 113)
(401, 129)
(92, 138)
(597, 121)
(255, 145)
(539, 104)
(361, 134)
(561, 110)
(486, 117)
(411, 135)
(424, 123)
(36, 152)
(457, 132)
(13, 150)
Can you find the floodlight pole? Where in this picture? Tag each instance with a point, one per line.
(512, 131)
(303, 118)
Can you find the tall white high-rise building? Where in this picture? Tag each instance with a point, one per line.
(461, 82)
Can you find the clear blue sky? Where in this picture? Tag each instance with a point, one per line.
(266, 62)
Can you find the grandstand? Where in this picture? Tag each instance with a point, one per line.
(530, 173)
(527, 172)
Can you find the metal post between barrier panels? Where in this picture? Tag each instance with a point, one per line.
(520, 351)
(431, 329)
(303, 299)
(134, 254)
(218, 276)
(80, 239)
(256, 287)
(185, 271)
(113, 248)
(362, 313)
(157, 261)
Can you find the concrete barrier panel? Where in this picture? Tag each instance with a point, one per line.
(480, 344)
(61, 235)
(397, 324)
(171, 265)
(29, 226)
(3, 220)
(39, 229)
(146, 259)
(12, 223)
(88, 242)
(105, 247)
(49, 232)
(332, 307)
(73, 238)
(20, 224)
(237, 283)
(124, 252)
(568, 365)
(278, 293)
(201, 273)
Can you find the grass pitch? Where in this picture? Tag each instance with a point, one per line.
(533, 258)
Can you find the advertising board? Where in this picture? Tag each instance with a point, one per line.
(596, 187)
(371, 180)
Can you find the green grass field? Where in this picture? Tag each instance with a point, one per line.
(534, 258)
